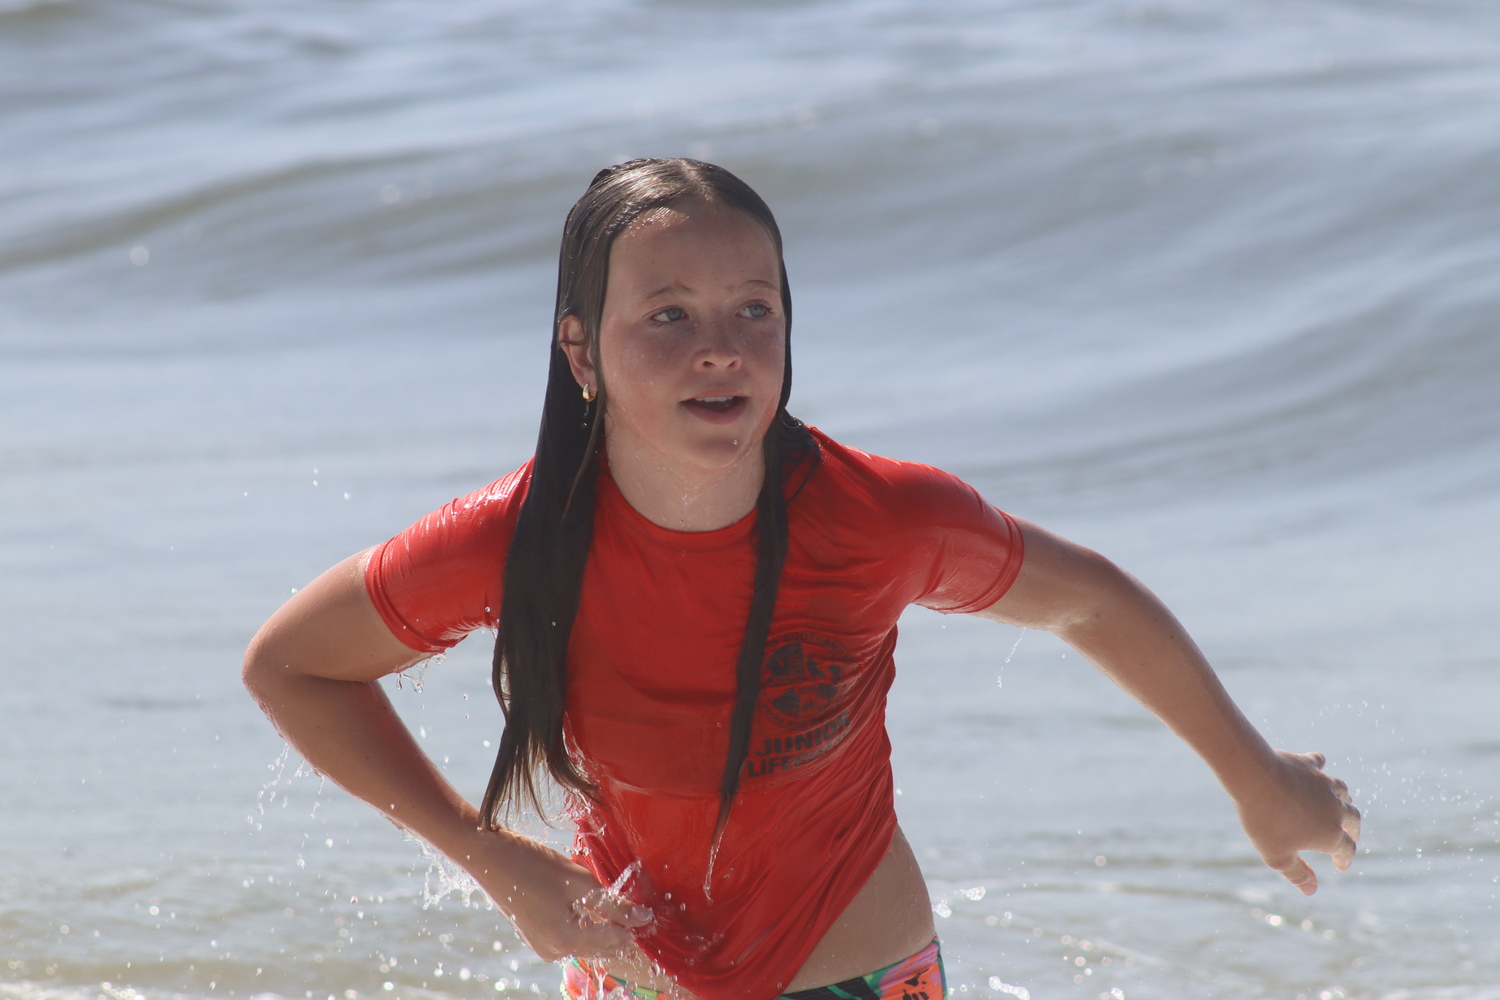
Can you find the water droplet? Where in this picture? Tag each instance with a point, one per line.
(1016, 646)
(139, 256)
(1019, 992)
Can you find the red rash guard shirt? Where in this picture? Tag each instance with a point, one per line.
(651, 665)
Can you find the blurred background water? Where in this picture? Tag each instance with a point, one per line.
(1209, 286)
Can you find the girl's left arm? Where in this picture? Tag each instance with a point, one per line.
(1285, 801)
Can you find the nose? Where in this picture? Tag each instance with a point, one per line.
(719, 349)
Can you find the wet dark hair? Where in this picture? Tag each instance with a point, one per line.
(545, 563)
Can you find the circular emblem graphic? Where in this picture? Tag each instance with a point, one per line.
(800, 684)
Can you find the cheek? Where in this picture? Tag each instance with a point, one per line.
(638, 370)
(768, 355)
(638, 364)
(652, 357)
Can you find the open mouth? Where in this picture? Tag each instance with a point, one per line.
(716, 406)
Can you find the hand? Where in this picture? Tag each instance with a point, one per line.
(557, 907)
(1302, 809)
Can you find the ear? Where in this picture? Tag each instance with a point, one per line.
(574, 342)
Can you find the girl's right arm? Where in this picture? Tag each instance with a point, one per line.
(314, 669)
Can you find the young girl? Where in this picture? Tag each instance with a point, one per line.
(696, 600)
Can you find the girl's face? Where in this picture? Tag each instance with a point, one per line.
(692, 340)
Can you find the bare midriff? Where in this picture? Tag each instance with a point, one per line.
(889, 919)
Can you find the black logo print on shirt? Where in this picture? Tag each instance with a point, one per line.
(801, 690)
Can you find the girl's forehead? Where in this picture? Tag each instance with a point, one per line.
(694, 214)
(663, 217)
(721, 227)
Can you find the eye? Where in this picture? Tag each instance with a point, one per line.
(671, 314)
(756, 310)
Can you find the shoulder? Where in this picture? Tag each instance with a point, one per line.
(891, 488)
(489, 509)
(469, 531)
(440, 578)
(953, 550)
(507, 491)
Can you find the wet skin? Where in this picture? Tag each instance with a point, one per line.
(690, 356)
(691, 352)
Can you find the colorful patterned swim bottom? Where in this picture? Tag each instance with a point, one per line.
(919, 977)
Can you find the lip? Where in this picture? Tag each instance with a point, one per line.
(714, 414)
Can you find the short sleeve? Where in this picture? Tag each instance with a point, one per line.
(440, 579)
(967, 553)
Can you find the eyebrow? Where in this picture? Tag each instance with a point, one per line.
(677, 285)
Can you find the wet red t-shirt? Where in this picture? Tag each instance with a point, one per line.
(651, 666)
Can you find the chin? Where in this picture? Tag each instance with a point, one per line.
(720, 453)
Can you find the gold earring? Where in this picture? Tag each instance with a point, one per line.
(588, 393)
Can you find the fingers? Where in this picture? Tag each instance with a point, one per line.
(1341, 790)
(602, 940)
(593, 940)
(1317, 759)
(602, 906)
(581, 936)
(1300, 874)
(1343, 854)
(1351, 821)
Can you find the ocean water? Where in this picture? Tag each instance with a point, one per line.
(1212, 287)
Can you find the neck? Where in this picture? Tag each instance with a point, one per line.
(681, 496)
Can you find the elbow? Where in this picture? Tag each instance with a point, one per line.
(256, 671)
(1100, 588)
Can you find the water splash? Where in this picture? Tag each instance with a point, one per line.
(1019, 992)
(444, 878)
(417, 672)
(1016, 646)
(628, 875)
(713, 857)
(591, 905)
(267, 794)
(1000, 680)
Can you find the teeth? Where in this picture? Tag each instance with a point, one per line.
(713, 399)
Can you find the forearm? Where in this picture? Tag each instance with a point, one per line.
(314, 667)
(1131, 637)
(1285, 801)
(349, 731)
(1125, 631)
